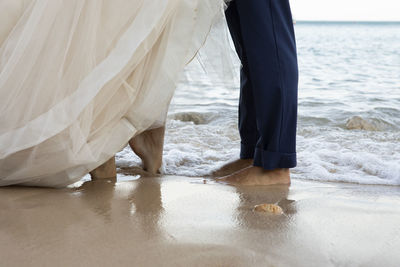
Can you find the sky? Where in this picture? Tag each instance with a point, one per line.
(347, 10)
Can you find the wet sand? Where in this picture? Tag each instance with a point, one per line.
(180, 221)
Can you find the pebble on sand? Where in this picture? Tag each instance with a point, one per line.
(268, 208)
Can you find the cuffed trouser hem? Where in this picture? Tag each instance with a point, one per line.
(247, 151)
(274, 160)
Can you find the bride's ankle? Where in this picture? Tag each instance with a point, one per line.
(149, 147)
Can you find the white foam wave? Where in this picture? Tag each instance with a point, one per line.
(330, 154)
(349, 156)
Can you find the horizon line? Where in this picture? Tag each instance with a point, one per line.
(378, 21)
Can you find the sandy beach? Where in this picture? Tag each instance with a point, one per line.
(181, 221)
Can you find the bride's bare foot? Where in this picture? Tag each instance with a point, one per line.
(106, 171)
(258, 176)
(149, 147)
(232, 167)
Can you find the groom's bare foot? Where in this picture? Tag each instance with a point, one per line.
(232, 167)
(149, 147)
(258, 176)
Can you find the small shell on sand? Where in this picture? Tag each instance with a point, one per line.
(268, 208)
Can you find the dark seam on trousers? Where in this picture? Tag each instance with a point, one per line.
(279, 73)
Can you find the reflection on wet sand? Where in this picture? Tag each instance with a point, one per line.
(138, 200)
(146, 202)
(225, 206)
(251, 196)
(181, 221)
(98, 196)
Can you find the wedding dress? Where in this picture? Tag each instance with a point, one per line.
(79, 78)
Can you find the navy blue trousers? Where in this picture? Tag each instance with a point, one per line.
(263, 34)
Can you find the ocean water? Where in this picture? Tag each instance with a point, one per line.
(346, 70)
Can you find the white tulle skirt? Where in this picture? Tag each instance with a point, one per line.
(79, 78)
